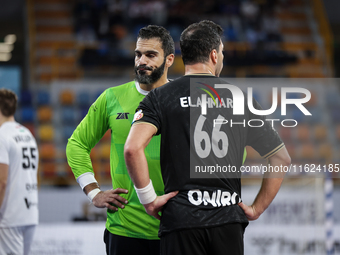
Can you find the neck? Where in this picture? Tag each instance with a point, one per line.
(160, 82)
(199, 68)
(4, 119)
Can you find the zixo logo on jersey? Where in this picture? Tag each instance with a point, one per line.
(122, 116)
(217, 198)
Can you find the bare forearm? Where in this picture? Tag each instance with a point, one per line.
(137, 167)
(270, 186)
(90, 187)
(3, 181)
(136, 163)
(2, 192)
(271, 181)
(268, 191)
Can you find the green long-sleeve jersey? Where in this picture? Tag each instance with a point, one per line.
(114, 109)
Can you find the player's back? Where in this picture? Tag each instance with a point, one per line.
(202, 148)
(175, 109)
(179, 105)
(20, 153)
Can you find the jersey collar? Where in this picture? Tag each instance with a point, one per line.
(140, 90)
(206, 74)
(9, 123)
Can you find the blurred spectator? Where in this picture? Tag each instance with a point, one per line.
(138, 13)
(250, 12)
(113, 24)
(255, 35)
(84, 22)
(158, 12)
(271, 26)
(231, 7)
(230, 33)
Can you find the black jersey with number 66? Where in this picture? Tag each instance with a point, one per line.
(205, 125)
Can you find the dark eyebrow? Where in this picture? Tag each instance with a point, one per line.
(147, 52)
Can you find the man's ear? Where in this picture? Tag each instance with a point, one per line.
(170, 60)
(213, 56)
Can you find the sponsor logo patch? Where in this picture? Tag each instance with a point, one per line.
(138, 115)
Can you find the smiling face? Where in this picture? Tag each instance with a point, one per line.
(149, 60)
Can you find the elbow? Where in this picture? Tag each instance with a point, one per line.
(284, 161)
(287, 160)
(68, 148)
(129, 151)
(3, 185)
(281, 158)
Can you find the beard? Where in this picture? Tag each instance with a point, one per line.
(155, 75)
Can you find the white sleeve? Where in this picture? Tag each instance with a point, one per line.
(4, 157)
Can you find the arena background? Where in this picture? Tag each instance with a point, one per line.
(59, 55)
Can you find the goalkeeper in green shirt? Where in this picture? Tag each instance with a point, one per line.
(129, 229)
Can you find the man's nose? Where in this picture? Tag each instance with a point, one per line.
(143, 60)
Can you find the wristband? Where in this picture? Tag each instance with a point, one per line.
(147, 194)
(93, 193)
(86, 179)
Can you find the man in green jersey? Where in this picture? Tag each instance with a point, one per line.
(129, 229)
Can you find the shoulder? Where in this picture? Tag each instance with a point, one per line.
(5, 134)
(4, 143)
(2, 135)
(5, 129)
(27, 131)
(175, 83)
(123, 87)
(120, 90)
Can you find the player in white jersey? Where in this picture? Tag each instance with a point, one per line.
(18, 180)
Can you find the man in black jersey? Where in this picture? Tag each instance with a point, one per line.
(201, 154)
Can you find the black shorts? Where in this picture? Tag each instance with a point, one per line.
(122, 245)
(226, 239)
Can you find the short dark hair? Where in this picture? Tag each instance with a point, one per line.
(154, 31)
(198, 40)
(8, 102)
